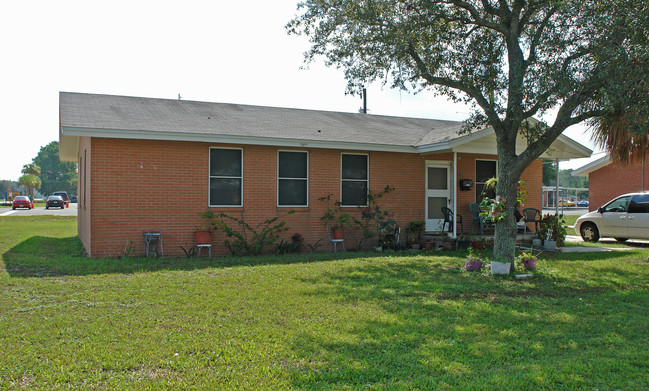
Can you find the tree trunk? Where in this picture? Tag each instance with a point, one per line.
(509, 172)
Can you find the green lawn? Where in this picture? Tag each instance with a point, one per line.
(349, 321)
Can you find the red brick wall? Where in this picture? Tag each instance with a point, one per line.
(140, 185)
(612, 180)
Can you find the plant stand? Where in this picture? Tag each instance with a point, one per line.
(202, 246)
(151, 240)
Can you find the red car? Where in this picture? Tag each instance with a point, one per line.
(22, 202)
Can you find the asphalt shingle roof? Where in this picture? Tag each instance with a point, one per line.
(110, 112)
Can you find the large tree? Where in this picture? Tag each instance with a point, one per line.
(55, 174)
(511, 59)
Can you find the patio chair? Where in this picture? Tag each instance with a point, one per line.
(474, 208)
(449, 219)
(532, 215)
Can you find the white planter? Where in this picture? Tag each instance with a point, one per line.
(550, 245)
(536, 243)
(378, 248)
(500, 267)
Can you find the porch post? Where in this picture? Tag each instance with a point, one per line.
(556, 198)
(454, 184)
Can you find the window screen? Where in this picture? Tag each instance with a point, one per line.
(355, 181)
(226, 177)
(292, 179)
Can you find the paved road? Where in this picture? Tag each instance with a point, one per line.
(40, 211)
(566, 211)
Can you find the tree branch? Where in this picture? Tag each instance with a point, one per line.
(477, 19)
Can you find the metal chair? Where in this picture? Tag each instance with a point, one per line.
(532, 215)
(449, 218)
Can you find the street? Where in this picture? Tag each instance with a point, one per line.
(40, 211)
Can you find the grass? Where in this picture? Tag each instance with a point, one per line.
(325, 321)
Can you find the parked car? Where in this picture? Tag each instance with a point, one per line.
(73, 199)
(54, 201)
(624, 217)
(64, 195)
(582, 204)
(566, 203)
(22, 202)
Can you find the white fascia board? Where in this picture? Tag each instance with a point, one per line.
(454, 144)
(231, 139)
(579, 148)
(592, 166)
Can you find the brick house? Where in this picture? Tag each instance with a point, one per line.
(155, 164)
(607, 180)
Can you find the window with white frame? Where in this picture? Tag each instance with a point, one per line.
(354, 179)
(484, 170)
(292, 178)
(226, 177)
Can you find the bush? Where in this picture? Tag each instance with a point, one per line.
(556, 224)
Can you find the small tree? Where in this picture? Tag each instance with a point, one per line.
(30, 178)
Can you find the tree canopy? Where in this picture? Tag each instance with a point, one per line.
(55, 175)
(512, 59)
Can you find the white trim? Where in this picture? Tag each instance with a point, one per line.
(354, 180)
(307, 179)
(235, 139)
(454, 195)
(449, 184)
(209, 177)
(592, 166)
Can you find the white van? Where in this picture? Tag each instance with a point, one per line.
(622, 218)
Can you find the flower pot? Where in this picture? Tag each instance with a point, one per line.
(536, 243)
(500, 267)
(472, 265)
(378, 248)
(477, 245)
(428, 245)
(339, 233)
(550, 245)
(415, 246)
(203, 237)
(529, 264)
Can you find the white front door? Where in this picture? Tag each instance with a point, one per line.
(438, 193)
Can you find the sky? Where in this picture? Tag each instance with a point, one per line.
(215, 51)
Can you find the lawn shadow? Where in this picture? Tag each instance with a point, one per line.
(438, 327)
(41, 256)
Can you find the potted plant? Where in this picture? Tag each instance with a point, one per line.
(478, 243)
(500, 267)
(414, 231)
(473, 261)
(203, 234)
(334, 218)
(552, 231)
(428, 245)
(529, 260)
(463, 241)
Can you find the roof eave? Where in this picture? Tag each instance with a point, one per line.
(68, 131)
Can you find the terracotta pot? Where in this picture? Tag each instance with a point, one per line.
(477, 245)
(203, 237)
(529, 264)
(428, 246)
(339, 233)
(472, 265)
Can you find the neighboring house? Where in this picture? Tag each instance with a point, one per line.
(155, 164)
(607, 180)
